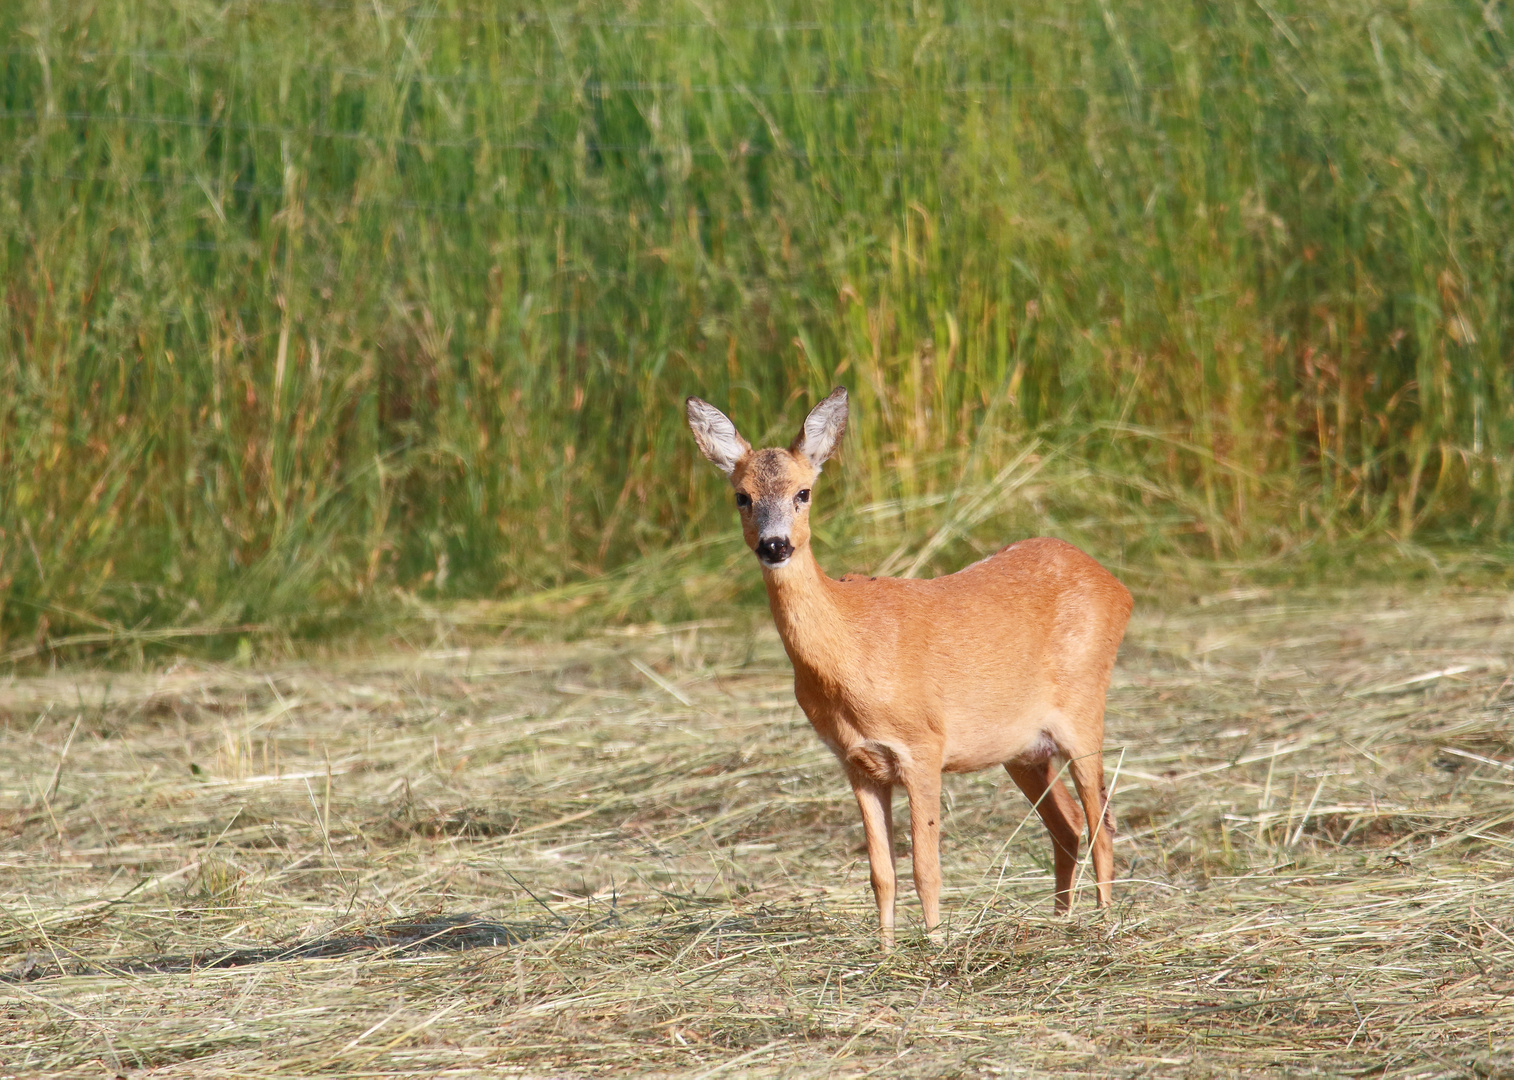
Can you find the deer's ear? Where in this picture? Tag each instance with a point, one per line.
(823, 429)
(717, 437)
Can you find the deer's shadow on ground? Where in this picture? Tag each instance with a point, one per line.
(414, 935)
(403, 937)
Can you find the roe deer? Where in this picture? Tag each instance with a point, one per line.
(1006, 662)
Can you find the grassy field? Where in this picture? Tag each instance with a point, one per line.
(321, 317)
(630, 854)
(309, 305)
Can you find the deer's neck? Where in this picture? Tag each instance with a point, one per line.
(808, 618)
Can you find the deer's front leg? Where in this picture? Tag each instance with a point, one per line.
(876, 801)
(924, 787)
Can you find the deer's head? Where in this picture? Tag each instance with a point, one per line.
(772, 486)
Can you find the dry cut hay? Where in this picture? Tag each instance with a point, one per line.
(629, 854)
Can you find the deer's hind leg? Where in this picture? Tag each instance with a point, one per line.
(1087, 767)
(1043, 786)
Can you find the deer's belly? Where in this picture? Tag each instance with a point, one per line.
(970, 747)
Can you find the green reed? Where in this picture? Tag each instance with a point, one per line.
(308, 301)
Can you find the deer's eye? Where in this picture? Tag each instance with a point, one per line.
(803, 497)
(743, 500)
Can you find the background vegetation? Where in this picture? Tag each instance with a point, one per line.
(310, 304)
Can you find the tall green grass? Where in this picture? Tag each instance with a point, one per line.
(308, 300)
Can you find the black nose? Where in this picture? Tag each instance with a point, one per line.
(774, 549)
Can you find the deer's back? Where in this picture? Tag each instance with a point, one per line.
(1032, 627)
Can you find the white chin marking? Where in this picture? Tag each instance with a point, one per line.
(773, 565)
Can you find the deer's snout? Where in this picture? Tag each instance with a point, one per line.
(774, 549)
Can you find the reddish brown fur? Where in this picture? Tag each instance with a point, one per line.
(1005, 662)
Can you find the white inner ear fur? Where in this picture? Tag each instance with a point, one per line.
(717, 437)
(823, 429)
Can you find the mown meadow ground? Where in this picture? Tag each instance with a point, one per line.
(629, 854)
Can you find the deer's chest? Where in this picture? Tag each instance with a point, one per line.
(864, 731)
